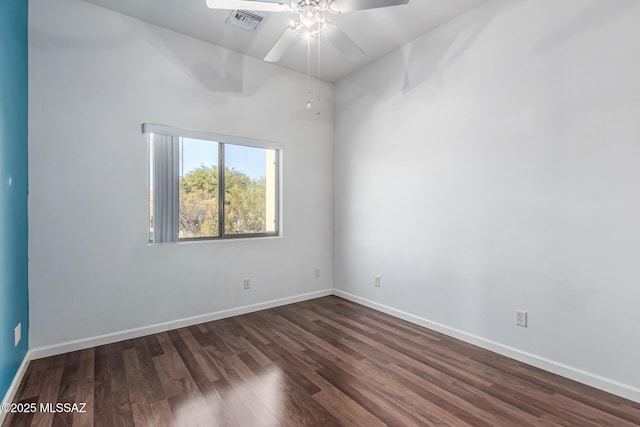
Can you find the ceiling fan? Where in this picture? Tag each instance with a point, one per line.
(312, 19)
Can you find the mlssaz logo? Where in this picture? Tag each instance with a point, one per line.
(63, 407)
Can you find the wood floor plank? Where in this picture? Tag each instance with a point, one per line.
(345, 409)
(376, 403)
(209, 369)
(48, 394)
(311, 332)
(138, 388)
(122, 414)
(195, 370)
(397, 393)
(85, 392)
(161, 415)
(151, 382)
(34, 378)
(323, 362)
(192, 411)
(103, 397)
(153, 344)
(251, 329)
(243, 403)
(272, 389)
(174, 376)
(293, 367)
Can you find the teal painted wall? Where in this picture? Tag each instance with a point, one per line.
(14, 290)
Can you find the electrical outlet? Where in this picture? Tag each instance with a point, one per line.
(376, 282)
(247, 283)
(17, 334)
(317, 272)
(521, 318)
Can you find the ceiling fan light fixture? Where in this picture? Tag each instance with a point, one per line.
(311, 15)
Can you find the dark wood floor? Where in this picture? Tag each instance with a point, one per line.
(324, 362)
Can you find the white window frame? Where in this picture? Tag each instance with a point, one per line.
(149, 129)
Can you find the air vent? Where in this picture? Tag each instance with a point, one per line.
(245, 20)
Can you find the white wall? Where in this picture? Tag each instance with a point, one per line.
(494, 164)
(95, 77)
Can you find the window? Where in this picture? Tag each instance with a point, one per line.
(208, 186)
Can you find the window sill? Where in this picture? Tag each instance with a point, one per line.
(216, 240)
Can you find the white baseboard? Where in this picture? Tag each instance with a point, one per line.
(605, 384)
(38, 353)
(15, 384)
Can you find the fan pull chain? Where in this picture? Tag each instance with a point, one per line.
(308, 73)
(318, 75)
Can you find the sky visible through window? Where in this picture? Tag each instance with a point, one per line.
(195, 152)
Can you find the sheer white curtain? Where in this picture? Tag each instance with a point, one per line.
(166, 191)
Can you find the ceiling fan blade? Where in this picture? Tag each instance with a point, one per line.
(254, 5)
(281, 45)
(344, 6)
(344, 44)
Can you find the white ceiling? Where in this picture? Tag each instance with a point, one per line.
(376, 31)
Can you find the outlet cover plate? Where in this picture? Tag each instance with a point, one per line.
(521, 318)
(17, 334)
